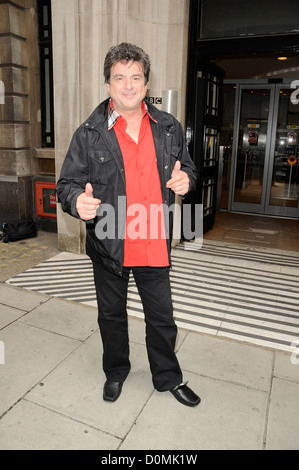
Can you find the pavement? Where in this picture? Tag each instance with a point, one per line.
(52, 382)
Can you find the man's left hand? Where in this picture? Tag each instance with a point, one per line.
(179, 182)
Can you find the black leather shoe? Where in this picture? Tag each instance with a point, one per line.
(185, 395)
(112, 390)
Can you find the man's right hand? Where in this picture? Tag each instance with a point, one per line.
(86, 204)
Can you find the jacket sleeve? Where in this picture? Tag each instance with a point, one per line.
(74, 174)
(187, 164)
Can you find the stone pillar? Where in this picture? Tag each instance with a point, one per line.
(19, 75)
(83, 31)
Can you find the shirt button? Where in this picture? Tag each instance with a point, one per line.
(166, 167)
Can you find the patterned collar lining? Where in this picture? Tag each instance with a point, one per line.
(113, 115)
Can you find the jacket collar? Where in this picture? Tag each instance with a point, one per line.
(100, 115)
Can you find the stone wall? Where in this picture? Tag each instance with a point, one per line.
(83, 31)
(19, 111)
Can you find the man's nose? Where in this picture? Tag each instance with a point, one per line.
(128, 82)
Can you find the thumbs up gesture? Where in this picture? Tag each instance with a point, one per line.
(89, 190)
(86, 204)
(179, 182)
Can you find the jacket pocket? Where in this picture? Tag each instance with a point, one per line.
(102, 167)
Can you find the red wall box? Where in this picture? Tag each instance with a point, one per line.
(45, 199)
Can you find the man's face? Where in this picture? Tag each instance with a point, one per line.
(127, 86)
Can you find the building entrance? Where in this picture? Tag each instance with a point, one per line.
(259, 155)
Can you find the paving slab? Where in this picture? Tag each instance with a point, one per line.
(32, 427)
(227, 360)
(283, 424)
(287, 365)
(81, 379)
(30, 354)
(230, 417)
(20, 298)
(63, 317)
(9, 315)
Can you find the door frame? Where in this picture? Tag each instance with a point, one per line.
(206, 117)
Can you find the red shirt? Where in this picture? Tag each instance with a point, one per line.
(145, 242)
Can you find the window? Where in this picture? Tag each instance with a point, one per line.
(240, 18)
(46, 72)
(213, 84)
(210, 146)
(207, 195)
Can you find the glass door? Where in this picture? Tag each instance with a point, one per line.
(252, 148)
(283, 189)
(265, 167)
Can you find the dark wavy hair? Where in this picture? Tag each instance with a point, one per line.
(126, 52)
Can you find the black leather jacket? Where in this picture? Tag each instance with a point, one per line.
(94, 156)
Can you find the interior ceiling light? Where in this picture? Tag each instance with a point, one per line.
(282, 58)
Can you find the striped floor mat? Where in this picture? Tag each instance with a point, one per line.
(233, 291)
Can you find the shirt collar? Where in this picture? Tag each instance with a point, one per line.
(113, 115)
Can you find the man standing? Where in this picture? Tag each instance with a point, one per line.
(128, 154)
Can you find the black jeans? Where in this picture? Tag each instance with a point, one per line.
(154, 289)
